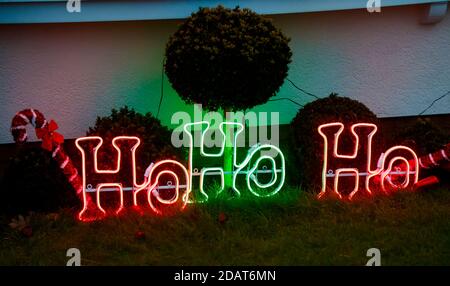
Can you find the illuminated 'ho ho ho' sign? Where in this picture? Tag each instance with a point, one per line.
(386, 174)
(182, 177)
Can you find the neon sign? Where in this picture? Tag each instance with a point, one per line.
(396, 169)
(276, 182)
(387, 178)
(183, 178)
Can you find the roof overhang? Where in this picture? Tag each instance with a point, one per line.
(54, 11)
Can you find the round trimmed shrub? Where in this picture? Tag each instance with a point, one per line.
(307, 142)
(232, 59)
(423, 136)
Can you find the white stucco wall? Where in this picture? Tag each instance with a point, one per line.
(75, 72)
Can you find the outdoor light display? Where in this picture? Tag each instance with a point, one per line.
(397, 168)
(111, 183)
(173, 168)
(388, 179)
(224, 138)
(245, 167)
(439, 158)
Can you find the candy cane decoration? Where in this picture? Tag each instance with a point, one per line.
(435, 159)
(429, 161)
(432, 160)
(51, 141)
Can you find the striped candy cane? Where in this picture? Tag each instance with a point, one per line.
(51, 141)
(432, 160)
(435, 159)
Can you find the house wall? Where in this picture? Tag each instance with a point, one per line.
(75, 72)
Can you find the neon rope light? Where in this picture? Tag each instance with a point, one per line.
(211, 170)
(335, 153)
(385, 174)
(153, 192)
(152, 185)
(174, 168)
(99, 188)
(116, 170)
(148, 183)
(336, 181)
(238, 167)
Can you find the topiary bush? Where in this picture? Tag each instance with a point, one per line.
(307, 142)
(33, 181)
(232, 59)
(423, 136)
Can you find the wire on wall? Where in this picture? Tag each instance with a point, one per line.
(282, 98)
(434, 101)
(301, 89)
(285, 98)
(162, 88)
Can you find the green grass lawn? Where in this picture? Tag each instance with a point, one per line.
(292, 228)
